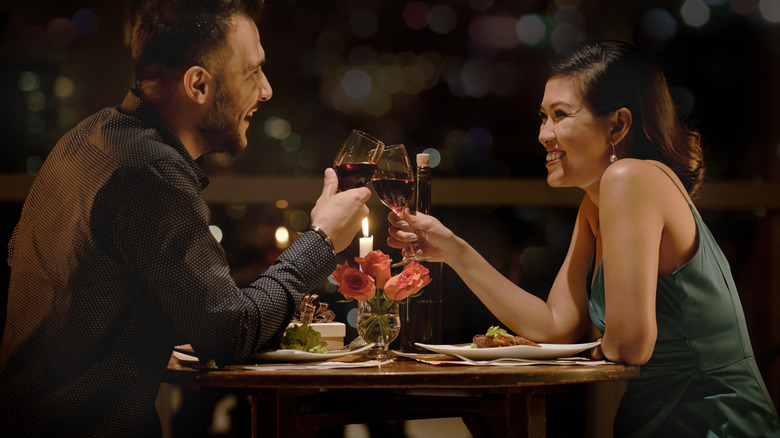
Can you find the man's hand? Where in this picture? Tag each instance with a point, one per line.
(340, 214)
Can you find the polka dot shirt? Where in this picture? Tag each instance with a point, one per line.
(112, 264)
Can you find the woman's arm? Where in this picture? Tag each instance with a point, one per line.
(632, 222)
(563, 318)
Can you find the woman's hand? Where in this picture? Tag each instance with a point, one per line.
(433, 239)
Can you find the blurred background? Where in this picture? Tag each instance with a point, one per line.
(461, 80)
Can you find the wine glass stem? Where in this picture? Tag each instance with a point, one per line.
(410, 248)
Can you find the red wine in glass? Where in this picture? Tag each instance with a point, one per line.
(394, 193)
(394, 183)
(352, 175)
(357, 159)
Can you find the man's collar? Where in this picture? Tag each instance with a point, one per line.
(135, 106)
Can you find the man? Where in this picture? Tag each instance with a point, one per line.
(112, 262)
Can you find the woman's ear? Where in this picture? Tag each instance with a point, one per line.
(198, 83)
(621, 125)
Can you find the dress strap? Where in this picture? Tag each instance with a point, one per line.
(675, 184)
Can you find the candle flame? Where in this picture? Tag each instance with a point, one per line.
(365, 227)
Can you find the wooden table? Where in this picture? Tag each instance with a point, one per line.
(501, 401)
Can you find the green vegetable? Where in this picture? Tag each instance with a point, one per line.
(494, 331)
(300, 337)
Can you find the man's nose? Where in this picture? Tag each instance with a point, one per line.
(265, 89)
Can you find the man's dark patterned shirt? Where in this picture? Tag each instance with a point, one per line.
(112, 264)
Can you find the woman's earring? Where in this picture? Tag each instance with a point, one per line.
(613, 157)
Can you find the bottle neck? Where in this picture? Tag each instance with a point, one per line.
(423, 190)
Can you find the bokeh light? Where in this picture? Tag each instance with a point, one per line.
(481, 139)
(695, 12)
(236, 208)
(531, 29)
(770, 10)
(658, 24)
(282, 238)
(36, 101)
(29, 81)
(216, 232)
(571, 15)
(277, 127)
(435, 156)
(744, 7)
(535, 260)
(356, 84)
(298, 219)
(684, 99)
(61, 32)
(352, 317)
(364, 23)
(563, 35)
(292, 142)
(442, 19)
(416, 15)
(85, 23)
(494, 32)
(63, 87)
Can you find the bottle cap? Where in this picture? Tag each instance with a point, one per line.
(423, 160)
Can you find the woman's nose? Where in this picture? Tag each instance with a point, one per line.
(546, 134)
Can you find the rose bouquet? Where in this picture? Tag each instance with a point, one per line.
(378, 293)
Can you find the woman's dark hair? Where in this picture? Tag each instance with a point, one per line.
(613, 74)
(169, 36)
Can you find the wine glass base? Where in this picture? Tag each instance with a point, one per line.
(408, 260)
(379, 353)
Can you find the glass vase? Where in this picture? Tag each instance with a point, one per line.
(378, 322)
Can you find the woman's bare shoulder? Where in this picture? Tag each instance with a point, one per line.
(640, 183)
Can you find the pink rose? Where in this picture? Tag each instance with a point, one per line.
(376, 264)
(413, 278)
(353, 283)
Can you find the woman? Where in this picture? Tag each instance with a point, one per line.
(642, 266)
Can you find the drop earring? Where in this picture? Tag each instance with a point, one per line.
(613, 157)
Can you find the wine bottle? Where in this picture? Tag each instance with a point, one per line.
(421, 315)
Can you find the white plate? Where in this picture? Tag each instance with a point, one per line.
(543, 352)
(304, 356)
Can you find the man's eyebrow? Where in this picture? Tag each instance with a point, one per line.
(256, 66)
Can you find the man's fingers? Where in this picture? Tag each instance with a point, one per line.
(331, 184)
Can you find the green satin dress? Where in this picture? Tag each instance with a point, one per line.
(702, 379)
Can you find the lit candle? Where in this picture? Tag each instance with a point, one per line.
(366, 242)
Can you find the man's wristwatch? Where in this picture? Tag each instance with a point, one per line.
(322, 234)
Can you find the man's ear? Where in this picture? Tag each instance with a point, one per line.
(198, 83)
(621, 125)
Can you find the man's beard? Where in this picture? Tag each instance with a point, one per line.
(218, 130)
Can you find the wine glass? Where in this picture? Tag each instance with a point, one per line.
(394, 183)
(357, 159)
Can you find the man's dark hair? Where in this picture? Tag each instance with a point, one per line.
(170, 36)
